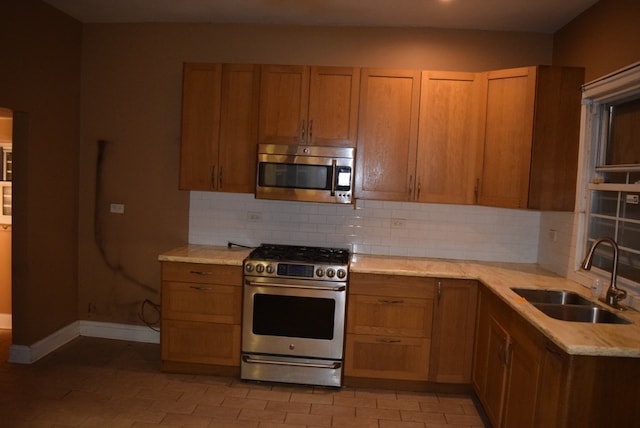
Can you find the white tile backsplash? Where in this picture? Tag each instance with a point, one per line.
(368, 227)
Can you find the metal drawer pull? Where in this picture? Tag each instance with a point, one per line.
(195, 287)
(391, 301)
(201, 272)
(389, 340)
(250, 360)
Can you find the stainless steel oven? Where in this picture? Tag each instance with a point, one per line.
(294, 316)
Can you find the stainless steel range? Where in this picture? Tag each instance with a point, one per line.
(294, 314)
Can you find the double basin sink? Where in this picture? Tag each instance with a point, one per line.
(568, 306)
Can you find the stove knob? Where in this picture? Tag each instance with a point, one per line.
(331, 272)
(270, 269)
(248, 267)
(260, 268)
(342, 273)
(320, 272)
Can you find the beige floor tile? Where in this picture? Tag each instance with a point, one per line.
(106, 383)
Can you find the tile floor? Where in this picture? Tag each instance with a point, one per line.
(106, 383)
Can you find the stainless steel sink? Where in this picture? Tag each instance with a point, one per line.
(560, 297)
(580, 313)
(568, 306)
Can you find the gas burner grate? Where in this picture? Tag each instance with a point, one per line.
(300, 253)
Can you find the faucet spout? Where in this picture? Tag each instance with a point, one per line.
(614, 294)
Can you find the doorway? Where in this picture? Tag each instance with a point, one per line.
(6, 189)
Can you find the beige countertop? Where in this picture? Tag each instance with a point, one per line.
(575, 338)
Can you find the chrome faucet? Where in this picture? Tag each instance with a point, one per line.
(614, 294)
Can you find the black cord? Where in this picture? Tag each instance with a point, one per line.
(233, 244)
(141, 314)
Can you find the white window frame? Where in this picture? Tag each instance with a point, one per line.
(614, 88)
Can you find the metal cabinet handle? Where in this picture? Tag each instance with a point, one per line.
(390, 301)
(201, 272)
(195, 287)
(302, 132)
(439, 290)
(385, 340)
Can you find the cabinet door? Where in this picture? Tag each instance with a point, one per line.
(201, 302)
(447, 167)
(490, 358)
(552, 399)
(496, 376)
(390, 315)
(454, 325)
(200, 342)
(284, 100)
(200, 126)
(383, 357)
(239, 128)
(387, 134)
(333, 106)
(521, 391)
(508, 132)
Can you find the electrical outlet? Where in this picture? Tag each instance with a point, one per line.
(553, 235)
(254, 216)
(398, 223)
(117, 208)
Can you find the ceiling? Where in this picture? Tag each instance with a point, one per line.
(543, 16)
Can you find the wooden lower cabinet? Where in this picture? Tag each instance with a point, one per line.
(389, 321)
(507, 364)
(522, 379)
(201, 317)
(418, 331)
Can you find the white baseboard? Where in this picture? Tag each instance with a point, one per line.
(22, 354)
(5, 321)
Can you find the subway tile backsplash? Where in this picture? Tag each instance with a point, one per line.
(368, 227)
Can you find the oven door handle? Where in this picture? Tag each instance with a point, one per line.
(305, 287)
(247, 359)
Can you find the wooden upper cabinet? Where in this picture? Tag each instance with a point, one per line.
(201, 87)
(387, 134)
(219, 127)
(448, 143)
(239, 128)
(531, 133)
(309, 105)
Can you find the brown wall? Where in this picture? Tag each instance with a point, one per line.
(39, 77)
(603, 39)
(131, 92)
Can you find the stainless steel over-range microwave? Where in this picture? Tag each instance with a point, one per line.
(305, 173)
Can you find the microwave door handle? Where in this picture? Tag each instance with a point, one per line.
(334, 177)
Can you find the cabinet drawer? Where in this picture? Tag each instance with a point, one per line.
(201, 302)
(392, 285)
(202, 273)
(387, 357)
(396, 316)
(198, 342)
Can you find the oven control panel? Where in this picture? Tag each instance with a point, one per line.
(296, 270)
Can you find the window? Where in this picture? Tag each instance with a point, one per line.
(612, 210)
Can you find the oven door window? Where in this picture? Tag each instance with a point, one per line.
(293, 316)
(295, 176)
